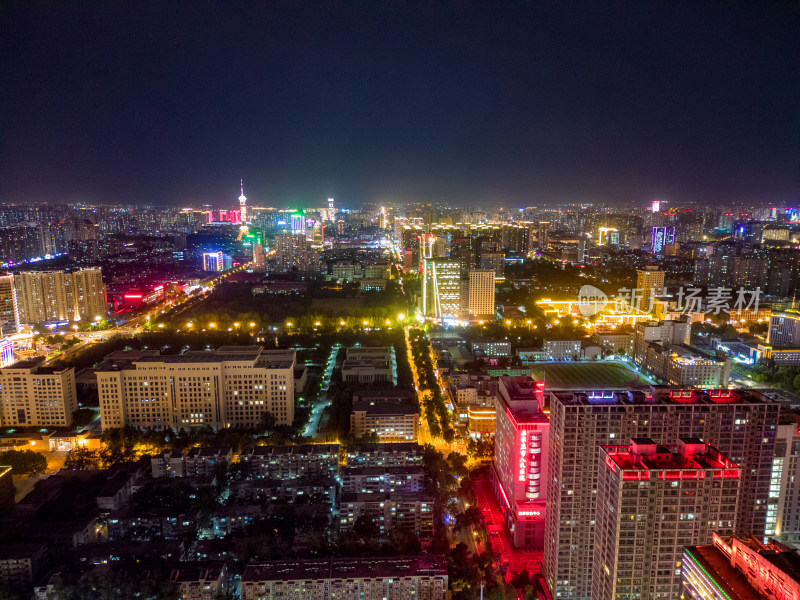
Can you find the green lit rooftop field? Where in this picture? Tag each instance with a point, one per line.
(577, 375)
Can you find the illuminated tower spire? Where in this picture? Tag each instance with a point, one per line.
(243, 203)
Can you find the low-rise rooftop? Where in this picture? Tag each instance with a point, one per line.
(346, 568)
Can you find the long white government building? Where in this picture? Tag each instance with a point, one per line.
(232, 386)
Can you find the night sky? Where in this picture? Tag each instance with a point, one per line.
(467, 104)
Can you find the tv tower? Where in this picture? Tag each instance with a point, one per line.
(243, 203)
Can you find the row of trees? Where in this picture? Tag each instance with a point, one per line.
(439, 422)
(24, 462)
(449, 479)
(788, 378)
(233, 303)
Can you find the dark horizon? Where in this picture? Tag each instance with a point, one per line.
(475, 105)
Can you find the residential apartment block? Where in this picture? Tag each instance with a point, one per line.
(199, 462)
(383, 480)
(409, 512)
(740, 424)
(480, 293)
(395, 454)
(783, 511)
(290, 462)
(420, 577)
(652, 502)
(46, 296)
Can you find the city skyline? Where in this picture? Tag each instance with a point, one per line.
(506, 305)
(468, 105)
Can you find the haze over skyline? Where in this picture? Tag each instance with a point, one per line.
(508, 105)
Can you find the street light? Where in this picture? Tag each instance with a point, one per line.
(212, 325)
(189, 324)
(401, 317)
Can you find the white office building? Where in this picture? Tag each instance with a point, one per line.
(232, 386)
(32, 395)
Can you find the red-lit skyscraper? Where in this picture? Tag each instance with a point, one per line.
(652, 502)
(520, 476)
(740, 423)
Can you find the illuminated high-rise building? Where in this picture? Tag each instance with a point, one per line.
(783, 518)
(259, 258)
(9, 309)
(652, 502)
(441, 289)
(784, 329)
(213, 261)
(543, 234)
(298, 223)
(740, 424)
(50, 296)
(609, 236)
(294, 252)
(661, 236)
(242, 204)
(649, 283)
(520, 458)
(480, 293)
(89, 294)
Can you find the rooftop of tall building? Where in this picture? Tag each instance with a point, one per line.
(255, 354)
(655, 395)
(687, 454)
